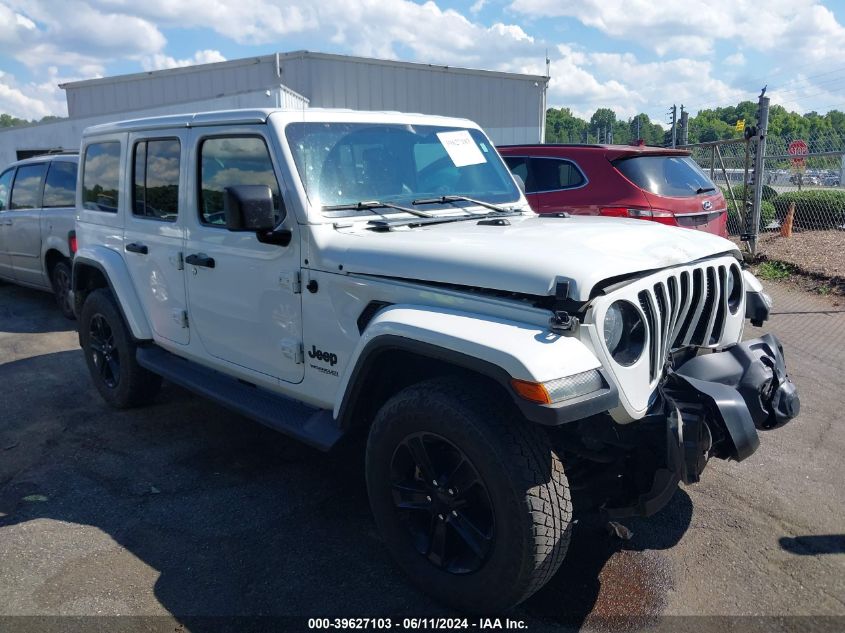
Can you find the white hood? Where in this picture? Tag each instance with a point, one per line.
(529, 256)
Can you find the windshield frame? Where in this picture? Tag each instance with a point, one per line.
(513, 195)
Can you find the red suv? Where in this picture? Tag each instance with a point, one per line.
(631, 181)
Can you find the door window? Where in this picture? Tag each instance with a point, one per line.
(6, 188)
(230, 161)
(26, 192)
(155, 193)
(554, 174)
(100, 177)
(60, 186)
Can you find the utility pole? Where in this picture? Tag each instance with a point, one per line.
(638, 128)
(684, 126)
(674, 113)
(752, 224)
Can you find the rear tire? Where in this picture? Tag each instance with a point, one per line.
(506, 534)
(60, 280)
(110, 354)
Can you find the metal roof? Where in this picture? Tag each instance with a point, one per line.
(250, 61)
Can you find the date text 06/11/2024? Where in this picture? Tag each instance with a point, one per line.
(409, 624)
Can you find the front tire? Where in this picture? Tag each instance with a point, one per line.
(469, 496)
(110, 354)
(60, 280)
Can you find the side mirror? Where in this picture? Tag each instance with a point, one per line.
(249, 208)
(519, 182)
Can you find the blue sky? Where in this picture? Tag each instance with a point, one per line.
(629, 55)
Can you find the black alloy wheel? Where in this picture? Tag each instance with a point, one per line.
(443, 502)
(61, 281)
(104, 354)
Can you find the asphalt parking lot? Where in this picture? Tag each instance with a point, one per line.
(183, 509)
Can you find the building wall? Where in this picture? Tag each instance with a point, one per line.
(511, 108)
(142, 91)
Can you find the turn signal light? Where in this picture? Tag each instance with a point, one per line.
(531, 391)
(71, 242)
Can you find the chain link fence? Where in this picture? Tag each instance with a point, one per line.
(802, 207)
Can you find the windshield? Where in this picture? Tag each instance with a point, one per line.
(675, 176)
(348, 163)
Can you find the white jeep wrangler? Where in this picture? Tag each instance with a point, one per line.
(327, 272)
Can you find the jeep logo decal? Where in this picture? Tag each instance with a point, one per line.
(326, 357)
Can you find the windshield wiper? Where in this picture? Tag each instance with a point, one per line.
(704, 190)
(367, 205)
(448, 199)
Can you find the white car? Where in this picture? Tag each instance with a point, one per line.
(332, 272)
(37, 215)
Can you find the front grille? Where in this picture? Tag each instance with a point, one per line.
(687, 308)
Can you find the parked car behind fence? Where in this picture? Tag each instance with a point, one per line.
(632, 181)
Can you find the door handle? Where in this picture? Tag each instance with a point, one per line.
(200, 259)
(134, 247)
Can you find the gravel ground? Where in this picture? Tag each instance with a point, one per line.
(815, 252)
(181, 512)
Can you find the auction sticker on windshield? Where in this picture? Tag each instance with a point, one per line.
(461, 148)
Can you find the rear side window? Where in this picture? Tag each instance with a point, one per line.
(60, 186)
(675, 176)
(155, 192)
(230, 161)
(554, 174)
(6, 188)
(26, 192)
(100, 177)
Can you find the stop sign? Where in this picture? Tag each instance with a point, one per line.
(798, 149)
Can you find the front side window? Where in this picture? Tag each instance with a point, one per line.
(155, 190)
(554, 174)
(6, 188)
(228, 162)
(26, 191)
(346, 163)
(60, 186)
(675, 176)
(100, 177)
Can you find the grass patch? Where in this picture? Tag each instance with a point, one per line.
(774, 270)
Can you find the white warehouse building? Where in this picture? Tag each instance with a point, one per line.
(510, 107)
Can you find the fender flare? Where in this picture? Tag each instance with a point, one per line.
(114, 269)
(496, 348)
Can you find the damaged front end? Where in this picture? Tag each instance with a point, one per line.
(711, 405)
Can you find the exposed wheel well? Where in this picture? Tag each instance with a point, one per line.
(85, 280)
(51, 258)
(391, 370)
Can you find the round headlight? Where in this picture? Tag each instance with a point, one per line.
(734, 289)
(624, 333)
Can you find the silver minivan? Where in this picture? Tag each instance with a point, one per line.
(37, 213)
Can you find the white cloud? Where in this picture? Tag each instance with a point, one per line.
(30, 101)
(737, 59)
(161, 61)
(802, 27)
(49, 31)
(477, 6)
(380, 28)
